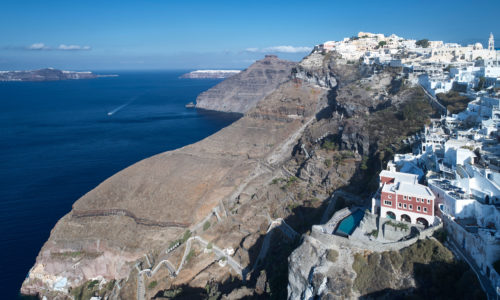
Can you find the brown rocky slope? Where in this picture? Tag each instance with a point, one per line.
(141, 209)
(242, 91)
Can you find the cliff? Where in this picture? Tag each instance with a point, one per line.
(242, 91)
(141, 210)
(44, 75)
(220, 217)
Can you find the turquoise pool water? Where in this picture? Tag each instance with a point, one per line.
(347, 226)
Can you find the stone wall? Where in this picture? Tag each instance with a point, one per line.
(329, 239)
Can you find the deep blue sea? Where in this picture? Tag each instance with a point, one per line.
(58, 141)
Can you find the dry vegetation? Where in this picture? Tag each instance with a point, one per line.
(453, 101)
(436, 273)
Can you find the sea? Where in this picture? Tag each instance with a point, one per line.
(60, 139)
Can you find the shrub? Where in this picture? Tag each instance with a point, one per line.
(152, 284)
(329, 145)
(290, 181)
(441, 235)
(277, 180)
(364, 162)
(332, 255)
(382, 43)
(206, 225)
(190, 255)
(453, 101)
(186, 236)
(374, 233)
(480, 84)
(92, 284)
(328, 162)
(293, 205)
(424, 43)
(209, 246)
(401, 226)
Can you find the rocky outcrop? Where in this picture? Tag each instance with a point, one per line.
(241, 92)
(322, 269)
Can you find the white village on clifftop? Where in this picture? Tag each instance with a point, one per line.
(451, 179)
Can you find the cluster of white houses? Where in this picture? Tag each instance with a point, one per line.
(435, 65)
(458, 159)
(452, 175)
(460, 168)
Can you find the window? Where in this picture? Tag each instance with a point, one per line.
(428, 201)
(404, 205)
(404, 197)
(409, 198)
(425, 209)
(388, 202)
(411, 206)
(399, 204)
(418, 199)
(418, 208)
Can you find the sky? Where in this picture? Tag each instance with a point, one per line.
(195, 34)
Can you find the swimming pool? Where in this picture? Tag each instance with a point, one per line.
(347, 225)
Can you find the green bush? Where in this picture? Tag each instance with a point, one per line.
(424, 43)
(364, 162)
(206, 225)
(92, 284)
(152, 284)
(190, 255)
(293, 205)
(290, 181)
(209, 246)
(374, 233)
(401, 226)
(328, 162)
(329, 145)
(186, 236)
(382, 43)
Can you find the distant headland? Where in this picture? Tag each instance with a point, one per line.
(48, 74)
(206, 74)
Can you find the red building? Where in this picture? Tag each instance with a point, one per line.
(403, 198)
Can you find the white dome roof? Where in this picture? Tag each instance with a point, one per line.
(478, 46)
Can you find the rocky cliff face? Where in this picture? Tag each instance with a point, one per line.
(242, 91)
(139, 211)
(426, 269)
(249, 190)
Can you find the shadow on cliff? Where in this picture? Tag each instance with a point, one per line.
(331, 107)
(274, 267)
(436, 280)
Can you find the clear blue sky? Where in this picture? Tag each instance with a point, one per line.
(168, 34)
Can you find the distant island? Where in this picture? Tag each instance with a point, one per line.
(202, 74)
(48, 74)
